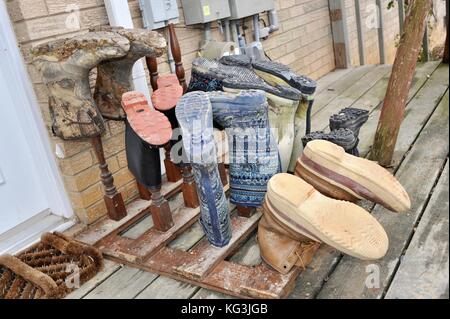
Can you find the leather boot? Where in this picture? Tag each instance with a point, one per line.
(302, 210)
(282, 248)
(65, 65)
(334, 173)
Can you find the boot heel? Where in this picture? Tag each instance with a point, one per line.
(322, 185)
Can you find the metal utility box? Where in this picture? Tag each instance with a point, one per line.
(156, 12)
(241, 9)
(204, 11)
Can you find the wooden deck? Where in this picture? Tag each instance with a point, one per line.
(417, 263)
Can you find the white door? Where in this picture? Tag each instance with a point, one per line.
(21, 191)
(30, 185)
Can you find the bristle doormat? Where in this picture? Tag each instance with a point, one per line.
(49, 269)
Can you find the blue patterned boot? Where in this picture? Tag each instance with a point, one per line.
(194, 115)
(254, 157)
(233, 76)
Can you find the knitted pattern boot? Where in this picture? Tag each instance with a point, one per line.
(254, 155)
(233, 76)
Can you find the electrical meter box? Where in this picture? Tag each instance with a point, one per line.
(241, 9)
(155, 13)
(204, 11)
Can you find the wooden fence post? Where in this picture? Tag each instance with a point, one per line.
(338, 17)
(400, 82)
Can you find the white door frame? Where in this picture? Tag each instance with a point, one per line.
(32, 123)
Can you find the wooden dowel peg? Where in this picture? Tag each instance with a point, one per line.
(160, 209)
(113, 199)
(189, 188)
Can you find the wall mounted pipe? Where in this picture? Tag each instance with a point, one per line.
(226, 24)
(234, 32)
(119, 15)
(273, 21)
(170, 58)
(208, 33)
(256, 27)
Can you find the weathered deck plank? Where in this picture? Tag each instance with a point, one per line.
(126, 283)
(423, 94)
(347, 98)
(339, 86)
(331, 78)
(417, 174)
(109, 269)
(423, 272)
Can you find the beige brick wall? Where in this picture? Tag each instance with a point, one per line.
(304, 42)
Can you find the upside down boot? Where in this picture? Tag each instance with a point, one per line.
(194, 114)
(114, 77)
(254, 157)
(330, 170)
(65, 65)
(211, 75)
(343, 225)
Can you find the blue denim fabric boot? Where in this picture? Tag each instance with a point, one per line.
(194, 115)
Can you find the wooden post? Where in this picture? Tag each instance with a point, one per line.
(223, 174)
(338, 18)
(152, 66)
(144, 192)
(359, 27)
(113, 199)
(173, 173)
(176, 52)
(246, 212)
(381, 32)
(189, 188)
(400, 82)
(160, 209)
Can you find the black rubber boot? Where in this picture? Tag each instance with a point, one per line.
(349, 118)
(342, 137)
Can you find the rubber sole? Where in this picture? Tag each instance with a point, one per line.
(360, 177)
(236, 77)
(151, 126)
(237, 60)
(302, 83)
(343, 137)
(350, 118)
(194, 114)
(342, 225)
(166, 97)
